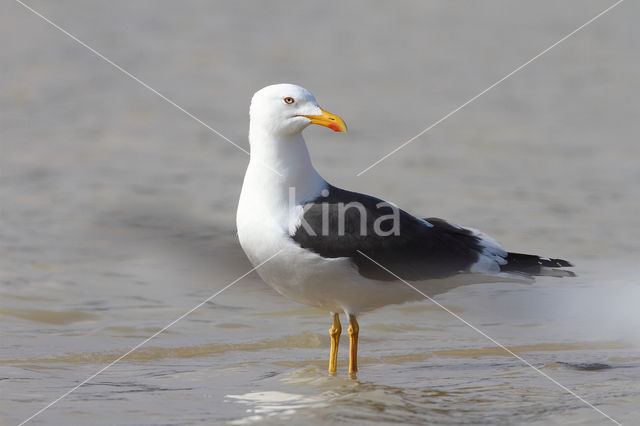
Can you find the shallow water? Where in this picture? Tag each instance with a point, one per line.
(118, 211)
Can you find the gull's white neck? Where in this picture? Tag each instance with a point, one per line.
(283, 162)
(270, 195)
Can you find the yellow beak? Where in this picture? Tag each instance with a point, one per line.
(329, 120)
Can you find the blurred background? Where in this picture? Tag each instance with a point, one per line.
(117, 210)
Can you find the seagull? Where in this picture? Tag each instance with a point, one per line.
(346, 252)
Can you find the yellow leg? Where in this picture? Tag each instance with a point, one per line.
(334, 333)
(353, 331)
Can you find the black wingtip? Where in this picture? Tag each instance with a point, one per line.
(561, 263)
(535, 265)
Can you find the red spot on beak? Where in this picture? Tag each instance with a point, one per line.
(334, 127)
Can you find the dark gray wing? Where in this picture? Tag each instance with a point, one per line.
(411, 248)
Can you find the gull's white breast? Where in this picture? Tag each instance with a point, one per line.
(332, 284)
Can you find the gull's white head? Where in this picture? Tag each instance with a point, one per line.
(287, 109)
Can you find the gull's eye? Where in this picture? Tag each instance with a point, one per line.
(289, 100)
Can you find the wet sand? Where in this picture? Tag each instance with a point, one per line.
(118, 211)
